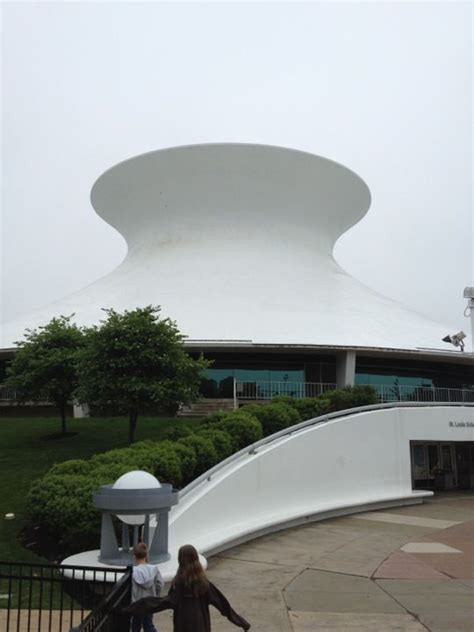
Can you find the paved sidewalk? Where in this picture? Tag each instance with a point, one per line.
(409, 569)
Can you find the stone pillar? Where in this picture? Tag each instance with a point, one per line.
(80, 410)
(159, 545)
(345, 368)
(108, 541)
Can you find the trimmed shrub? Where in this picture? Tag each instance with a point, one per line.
(161, 459)
(167, 464)
(60, 502)
(273, 417)
(242, 428)
(188, 459)
(307, 407)
(206, 455)
(286, 399)
(351, 397)
(221, 441)
(62, 507)
(113, 458)
(214, 418)
(177, 432)
(74, 467)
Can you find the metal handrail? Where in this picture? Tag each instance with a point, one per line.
(107, 615)
(9, 393)
(253, 448)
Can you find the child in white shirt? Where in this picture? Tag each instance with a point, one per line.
(146, 582)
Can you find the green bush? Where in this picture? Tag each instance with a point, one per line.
(157, 458)
(273, 417)
(307, 407)
(330, 401)
(177, 432)
(188, 459)
(72, 467)
(242, 428)
(62, 507)
(161, 459)
(350, 397)
(214, 418)
(60, 503)
(221, 441)
(113, 457)
(286, 399)
(206, 455)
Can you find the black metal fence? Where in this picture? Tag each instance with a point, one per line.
(53, 598)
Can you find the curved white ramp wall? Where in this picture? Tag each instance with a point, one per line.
(341, 464)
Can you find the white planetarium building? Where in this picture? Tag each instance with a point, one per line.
(235, 242)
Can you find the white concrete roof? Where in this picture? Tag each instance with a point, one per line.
(235, 241)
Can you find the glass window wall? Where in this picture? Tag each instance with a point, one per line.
(219, 382)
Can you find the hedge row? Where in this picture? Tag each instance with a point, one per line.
(60, 503)
(330, 401)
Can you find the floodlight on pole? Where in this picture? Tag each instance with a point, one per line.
(456, 339)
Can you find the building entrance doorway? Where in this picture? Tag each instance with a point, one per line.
(442, 465)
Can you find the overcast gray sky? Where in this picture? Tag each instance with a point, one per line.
(383, 88)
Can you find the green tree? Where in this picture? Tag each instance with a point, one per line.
(45, 364)
(136, 361)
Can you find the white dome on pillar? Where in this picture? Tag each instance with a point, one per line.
(136, 479)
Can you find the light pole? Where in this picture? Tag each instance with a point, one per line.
(469, 311)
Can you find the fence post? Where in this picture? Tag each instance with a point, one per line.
(235, 394)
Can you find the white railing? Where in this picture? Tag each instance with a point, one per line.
(267, 390)
(405, 393)
(261, 390)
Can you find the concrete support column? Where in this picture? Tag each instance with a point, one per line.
(345, 368)
(159, 545)
(108, 541)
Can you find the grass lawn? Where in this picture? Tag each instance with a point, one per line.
(25, 456)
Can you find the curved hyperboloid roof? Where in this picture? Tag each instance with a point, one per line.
(235, 242)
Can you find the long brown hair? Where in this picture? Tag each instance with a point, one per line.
(190, 573)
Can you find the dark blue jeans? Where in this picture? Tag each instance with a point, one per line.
(145, 622)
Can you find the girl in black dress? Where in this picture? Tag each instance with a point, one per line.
(189, 596)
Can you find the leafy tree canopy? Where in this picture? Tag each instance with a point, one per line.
(45, 364)
(136, 360)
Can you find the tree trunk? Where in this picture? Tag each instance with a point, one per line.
(62, 410)
(132, 425)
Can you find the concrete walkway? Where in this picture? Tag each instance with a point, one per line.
(406, 569)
